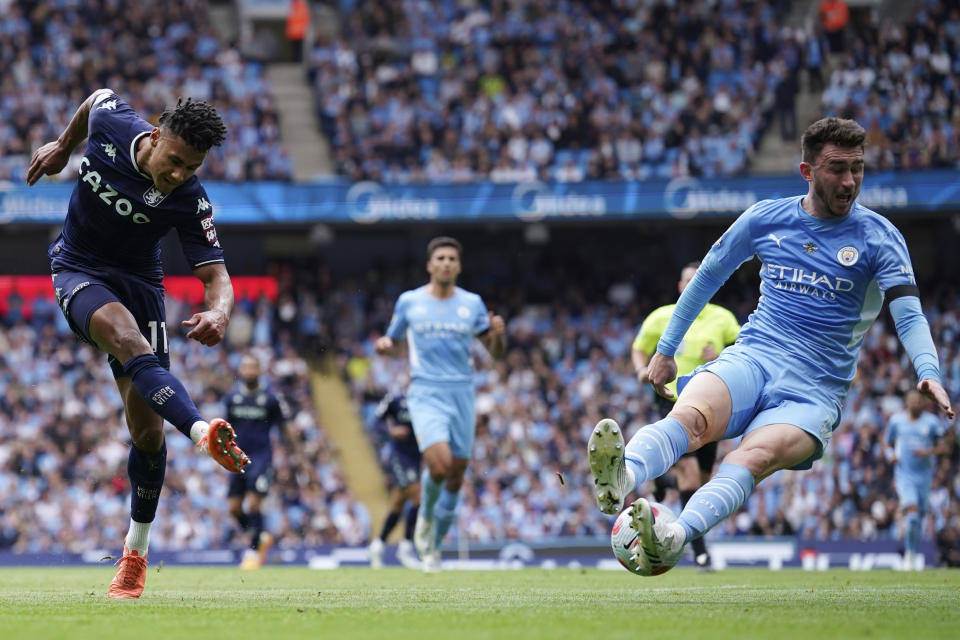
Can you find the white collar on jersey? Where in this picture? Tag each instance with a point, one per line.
(133, 154)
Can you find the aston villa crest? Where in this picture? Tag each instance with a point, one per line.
(153, 196)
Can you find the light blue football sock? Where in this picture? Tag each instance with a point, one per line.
(654, 449)
(717, 499)
(911, 539)
(446, 513)
(429, 492)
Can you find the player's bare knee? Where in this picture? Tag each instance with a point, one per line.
(129, 343)
(759, 460)
(694, 422)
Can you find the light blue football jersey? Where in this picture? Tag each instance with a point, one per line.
(822, 285)
(908, 435)
(439, 333)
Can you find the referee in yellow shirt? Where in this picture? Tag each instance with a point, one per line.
(714, 329)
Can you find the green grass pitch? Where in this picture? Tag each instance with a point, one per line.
(293, 603)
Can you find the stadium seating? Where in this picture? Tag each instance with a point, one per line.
(59, 53)
(433, 91)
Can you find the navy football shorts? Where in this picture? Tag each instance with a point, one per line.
(80, 294)
(256, 477)
(404, 469)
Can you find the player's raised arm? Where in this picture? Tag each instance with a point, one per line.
(51, 158)
(208, 327)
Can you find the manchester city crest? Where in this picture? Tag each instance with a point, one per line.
(848, 256)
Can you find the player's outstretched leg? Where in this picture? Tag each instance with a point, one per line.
(220, 443)
(612, 478)
(618, 470)
(660, 543)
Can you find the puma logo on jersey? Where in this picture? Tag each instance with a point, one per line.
(776, 239)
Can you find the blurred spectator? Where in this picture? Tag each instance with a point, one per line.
(298, 22)
(834, 16)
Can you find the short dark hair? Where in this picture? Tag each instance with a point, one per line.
(842, 133)
(196, 121)
(444, 241)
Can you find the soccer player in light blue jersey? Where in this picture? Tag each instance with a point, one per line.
(136, 182)
(439, 321)
(828, 264)
(916, 438)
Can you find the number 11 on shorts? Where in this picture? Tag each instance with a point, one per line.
(153, 334)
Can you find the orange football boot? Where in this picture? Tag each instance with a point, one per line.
(221, 444)
(132, 574)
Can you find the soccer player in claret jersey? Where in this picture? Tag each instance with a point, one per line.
(136, 182)
(917, 439)
(403, 461)
(828, 265)
(254, 411)
(439, 321)
(712, 330)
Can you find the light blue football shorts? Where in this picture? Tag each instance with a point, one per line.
(443, 412)
(765, 393)
(913, 491)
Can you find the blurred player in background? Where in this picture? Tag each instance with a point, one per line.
(828, 265)
(254, 411)
(712, 330)
(403, 457)
(439, 321)
(916, 438)
(136, 182)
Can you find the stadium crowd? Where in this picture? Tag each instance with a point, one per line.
(901, 81)
(64, 442)
(56, 53)
(440, 91)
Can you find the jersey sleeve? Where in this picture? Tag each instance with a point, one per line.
(398, 323)
(111, 118)
(280, 412)
(734, 247)
(481, 320)
(198, 236)
(892, 265)
(651, 330)
(892, 431)
(383, 408)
